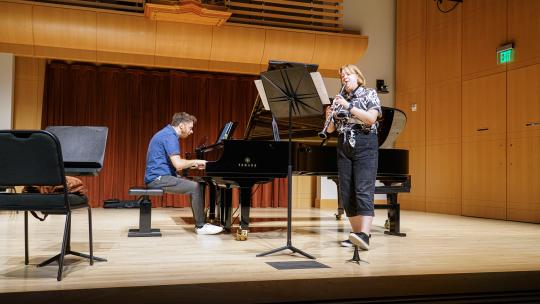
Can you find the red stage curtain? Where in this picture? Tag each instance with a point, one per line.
(134, 103)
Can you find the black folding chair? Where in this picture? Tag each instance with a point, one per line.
(34, 158)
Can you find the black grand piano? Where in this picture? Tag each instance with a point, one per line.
(260, 156)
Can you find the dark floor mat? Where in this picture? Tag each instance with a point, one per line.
(296, 265)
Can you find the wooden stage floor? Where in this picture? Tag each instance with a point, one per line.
(442, 258)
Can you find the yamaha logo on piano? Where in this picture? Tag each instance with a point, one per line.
(247, 163)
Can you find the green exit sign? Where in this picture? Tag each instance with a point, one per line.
(505, 54)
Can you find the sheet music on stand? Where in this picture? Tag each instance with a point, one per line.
(317, 81)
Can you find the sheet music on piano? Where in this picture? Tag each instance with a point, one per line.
(226, 131)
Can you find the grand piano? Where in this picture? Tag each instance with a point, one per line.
(262, 156)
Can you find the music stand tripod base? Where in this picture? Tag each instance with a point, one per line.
(289, 247)
(356, 257)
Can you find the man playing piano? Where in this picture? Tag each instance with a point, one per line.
(357, 151)
(163, 161)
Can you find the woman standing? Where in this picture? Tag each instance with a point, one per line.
(358, 149)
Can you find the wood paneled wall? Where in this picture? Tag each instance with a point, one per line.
(28, 97)
(411, 93)
(92, 35)
(443, 107)
(484, 29)
(475, 135)
(484, 146)
(523, 113)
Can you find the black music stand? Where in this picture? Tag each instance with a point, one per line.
(291, 93)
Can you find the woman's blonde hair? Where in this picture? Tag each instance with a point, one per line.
(352, 69)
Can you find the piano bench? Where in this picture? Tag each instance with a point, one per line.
(145, 211)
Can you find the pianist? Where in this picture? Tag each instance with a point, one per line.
(357, 152)
(163, 161)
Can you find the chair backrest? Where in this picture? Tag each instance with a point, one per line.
(30, 158)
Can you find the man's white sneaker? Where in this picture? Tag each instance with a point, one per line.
(346, 243)
(209, 229)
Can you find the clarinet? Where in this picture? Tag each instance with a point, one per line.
(335, 110)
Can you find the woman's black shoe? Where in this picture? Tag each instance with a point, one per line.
(360, 239)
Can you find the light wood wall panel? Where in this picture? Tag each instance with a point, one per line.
(413, 138)
(410, 19)
(87, 34)
(524, 101)
(65, 33)
(411, 63)
(484, 147)
(412, 103)
(330, 50)
(416, 199)
(443, 45)
(125, 39)
(16, 35)
(443, 147)
(303, 194)
(443, 178)
(183, 45)
(443, 76)
(443, 109)
(411, 94)
(410, 45)
(484, 107)
(524, 144)
(484, 178)
(524, 30)
(484, 30)
(443, 112)
(278, 45)
(523, 179)
(237, 49)
(28, 96)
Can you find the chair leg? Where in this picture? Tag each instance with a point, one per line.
(90, 236)
(26, 238)
(64, 247)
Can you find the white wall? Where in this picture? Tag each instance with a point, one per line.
(375, 19)
(7, 74)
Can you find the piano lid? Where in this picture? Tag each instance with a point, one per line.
(390, 126)
(305, 129)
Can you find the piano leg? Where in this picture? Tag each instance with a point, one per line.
(226, 207)
(245, 206)
(340, 210)
(212, 191)
(393, 215)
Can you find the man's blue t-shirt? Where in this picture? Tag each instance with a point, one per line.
(162, 145)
